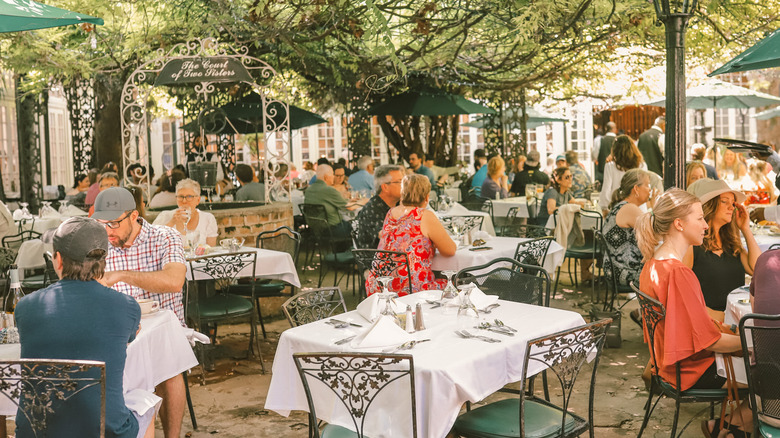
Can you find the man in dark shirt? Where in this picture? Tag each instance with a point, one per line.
(531, 174)
(77, 318)
(650, 144)
(605, 149)
(372, 217)
(416, 163)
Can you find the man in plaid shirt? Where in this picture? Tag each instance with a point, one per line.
(145, 261)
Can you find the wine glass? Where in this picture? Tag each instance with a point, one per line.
(187, 217)
(389, 298)
(63, 206)
(25, 212)
(468, 317)
(449, 291)
(192, 238)
(45, 208)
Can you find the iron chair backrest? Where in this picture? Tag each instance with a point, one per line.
(223, 269)
(313, 305)
(595, 216)
(49, 275)
(534, 251)
(514, 227)
(773, 246)
(39, 386)
(610, 271)
(15, 241)
(317, 220)
(468, 222)
(356, 379)
(510, 280)
(478, 203)
(760, 336)
(384, 263)
(282, 239)
(563, 354)
(653, 312)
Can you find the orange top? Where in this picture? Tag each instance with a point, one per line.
(687, 330)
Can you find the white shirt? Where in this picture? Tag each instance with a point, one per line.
(207, 224)
(612, 177)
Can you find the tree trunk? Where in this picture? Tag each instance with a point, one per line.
(404, 134)
(108, 125)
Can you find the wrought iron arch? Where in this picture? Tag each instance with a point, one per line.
(263, 79)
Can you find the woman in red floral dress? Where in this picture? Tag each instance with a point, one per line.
(413, 229)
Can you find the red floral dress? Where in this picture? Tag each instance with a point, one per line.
(404, 235)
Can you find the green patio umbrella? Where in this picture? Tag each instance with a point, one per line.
(18, 15)
(245, 116)
(763, 54)
(511, 118)
(718, 94)
(768, 114)
(430, 102)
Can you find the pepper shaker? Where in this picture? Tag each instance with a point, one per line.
(419, 324)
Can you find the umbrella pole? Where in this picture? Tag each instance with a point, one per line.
(715, 134)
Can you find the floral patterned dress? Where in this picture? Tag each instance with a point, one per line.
(404, 235)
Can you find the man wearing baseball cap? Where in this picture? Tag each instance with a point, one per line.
(77, 318)
(530, 175)
(145, 261)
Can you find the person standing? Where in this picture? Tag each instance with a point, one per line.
(371, 218)
(77, 318)
(416, 163)
(581, 183)
(146, 261)
(651, 145)
(605, 148)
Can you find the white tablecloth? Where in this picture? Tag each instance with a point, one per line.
(270, 264)
(459, 210)
(501, 247)
(501, 207)
(449, 370)
(765, 240)
(30, 255)
(453, 193)
(735, 310)
(160, 351)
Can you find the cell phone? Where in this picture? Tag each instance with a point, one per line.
(480, 248)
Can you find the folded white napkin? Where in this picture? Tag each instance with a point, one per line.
(51, 213)
(72, 210)
(383, 333)
(18, 215)
(371, 306)
(458, 209)
(194, 337)
(478, 298)
(479, 234)
(141, 401)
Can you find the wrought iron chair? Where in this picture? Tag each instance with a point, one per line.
(590, 250)
(522, 227)
(564, 354)
(478, 203)
(329, 251)
(467, 223)
(383, 263)
(41, 387)
(510, 280)
(282, 239)
(653, 312)
(207, 307)
(15, 241)
(534, 251)
(614, 288)
(773, 246)
(355, 379)
(760, 335)
(313, 305)
(39, 281)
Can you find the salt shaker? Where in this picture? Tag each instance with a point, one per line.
(409, 320)
(418, 322)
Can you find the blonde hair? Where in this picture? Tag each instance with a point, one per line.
(631, 179)
(414, 190)
(652, 226)
(494, 166)
(693, 165)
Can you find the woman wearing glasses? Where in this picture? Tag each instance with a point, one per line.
(557, 195)
(187, 217)
(720, 262)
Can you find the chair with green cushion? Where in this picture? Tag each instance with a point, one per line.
(334, 253)
(282, 239)
(209, 301)
(760, 335)
(354, 380)
(653, 312)
(564, 354)
(590, 250)
(313, 305)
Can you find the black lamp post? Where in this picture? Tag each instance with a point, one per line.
(674, 14)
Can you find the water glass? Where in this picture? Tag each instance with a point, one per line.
(468, 317)
(387, 309)
(449, 291)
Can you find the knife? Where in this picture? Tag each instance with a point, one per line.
(345, 322)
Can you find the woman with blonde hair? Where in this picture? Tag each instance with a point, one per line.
(416, 231)
(694, 171)
(720, 262)
(731, 167)
(495, 185)
(625, 156)
(687, 336)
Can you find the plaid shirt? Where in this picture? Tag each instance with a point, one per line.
(152, 249)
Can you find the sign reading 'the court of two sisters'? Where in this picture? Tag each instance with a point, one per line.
(211, 69)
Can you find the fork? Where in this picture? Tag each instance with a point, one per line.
(405, 346)
(489, 308)
(465, 334)
(501, 324)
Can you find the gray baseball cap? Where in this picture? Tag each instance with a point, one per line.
(112, 203)
(76, 237)
(533, 158)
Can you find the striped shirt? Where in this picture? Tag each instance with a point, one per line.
(153, 248)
